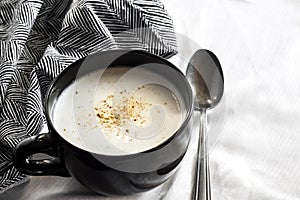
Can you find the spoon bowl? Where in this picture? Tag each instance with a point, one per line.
(205, 75)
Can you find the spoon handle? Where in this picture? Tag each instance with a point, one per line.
(202, 187)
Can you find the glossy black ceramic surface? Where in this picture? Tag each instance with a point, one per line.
(87, 167)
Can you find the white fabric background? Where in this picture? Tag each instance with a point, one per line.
(258, 43)
(257, 156)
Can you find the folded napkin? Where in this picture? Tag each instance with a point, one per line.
(39, 38)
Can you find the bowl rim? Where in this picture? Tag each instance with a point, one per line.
(189, 110)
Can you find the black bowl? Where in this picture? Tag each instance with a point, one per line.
(144, 170)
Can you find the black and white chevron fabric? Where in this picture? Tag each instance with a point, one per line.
(39, 38)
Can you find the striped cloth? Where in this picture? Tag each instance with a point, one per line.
(39, 38)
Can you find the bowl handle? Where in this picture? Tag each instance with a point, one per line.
(41, 143)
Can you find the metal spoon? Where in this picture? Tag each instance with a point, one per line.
(205, 75)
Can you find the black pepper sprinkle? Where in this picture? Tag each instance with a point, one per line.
(111, 117)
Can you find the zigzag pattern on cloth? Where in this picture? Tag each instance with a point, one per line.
(39, 38)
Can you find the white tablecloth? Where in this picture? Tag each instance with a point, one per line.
(257, 155)
(258, 43)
